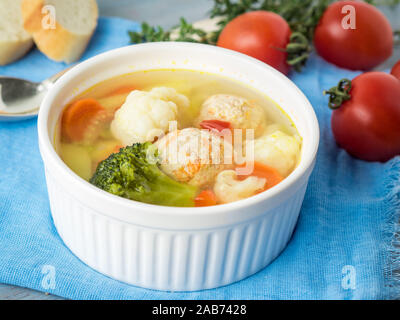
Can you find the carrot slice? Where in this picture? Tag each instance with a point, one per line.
(80, 117)
(260, 170)
(205, 198)
(122, 90)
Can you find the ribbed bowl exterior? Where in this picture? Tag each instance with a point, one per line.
(167, 259)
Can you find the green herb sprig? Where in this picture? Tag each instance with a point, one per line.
(184, 32)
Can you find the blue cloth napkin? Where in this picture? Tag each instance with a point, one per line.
(341, 249)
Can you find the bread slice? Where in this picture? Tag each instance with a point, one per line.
(66, 40)
(14, 40)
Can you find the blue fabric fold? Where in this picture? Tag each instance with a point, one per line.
(341, 248)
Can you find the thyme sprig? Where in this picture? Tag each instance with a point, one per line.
(149, 34)
(302, 15)
(184, 32)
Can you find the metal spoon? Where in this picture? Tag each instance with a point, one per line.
(20, 99)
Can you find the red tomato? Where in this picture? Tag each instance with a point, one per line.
(368, 125)
(260, 34)
(362, 48)
(396, 70)
(217, 125)
(206, 198)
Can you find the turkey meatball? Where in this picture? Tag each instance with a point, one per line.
(194, 156)
(239, 112)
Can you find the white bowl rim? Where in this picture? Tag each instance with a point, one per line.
(49, 153)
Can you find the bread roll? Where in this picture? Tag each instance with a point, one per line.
(68, 36)
(14, 40)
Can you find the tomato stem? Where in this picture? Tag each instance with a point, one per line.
(298, 50)
(339, 94)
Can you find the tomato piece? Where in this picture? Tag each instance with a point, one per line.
(260, 34)
(217, 125)
(205, 198)
(368, 124)
(396, 70)
(363, 46)
(261, 170)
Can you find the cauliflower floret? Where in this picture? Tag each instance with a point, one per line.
(228, 188)
(278, 150)
(238, 111)
(146, 115)
(194, 156)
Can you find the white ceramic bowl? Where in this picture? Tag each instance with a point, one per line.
(166, 248)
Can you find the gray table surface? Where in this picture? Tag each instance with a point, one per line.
(165, 13)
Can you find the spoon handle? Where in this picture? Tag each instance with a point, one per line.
(55, 77)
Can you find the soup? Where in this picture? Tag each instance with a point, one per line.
(178, 138)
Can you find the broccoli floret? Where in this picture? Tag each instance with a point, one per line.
(133, 173)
